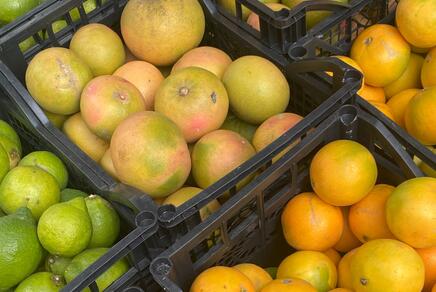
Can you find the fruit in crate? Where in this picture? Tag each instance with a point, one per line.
(348, 240)
(288, 285)
(428, 75)
(237, 125)
(230, 6)
(222, 279)
(258, 276)
(11, 9)
(42, 281)
(253, 19)
(428, 256)
(398, 104)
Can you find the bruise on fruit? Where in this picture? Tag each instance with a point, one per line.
(67, 73)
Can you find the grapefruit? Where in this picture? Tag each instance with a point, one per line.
(107, 164)
(398, 104)
(149, 40)
(428, 75)
(257, 89)
(234, 124)
(208, 58)
(149, 152)
(428, 256)
(195, 99)
(253, 18)
(410, 212)
(416, 21)
(382, 53)
(258, 276)
(221, 278)
(55, 119)
(55, 78)
(343, 172)
(145, 76)
(420, 119)
(288, 285)
(348, 240)
(311, 224)
(386, 265)
(107, 101)
(100, 47)
(372, 94)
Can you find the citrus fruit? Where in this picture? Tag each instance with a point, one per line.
(31, 187)
(162, 44)
(12, 150)
(343, 172)
(108, 100)
(218, 153)
(48, 79)
(382, 53)
(341, 290)
(50, 163)
(372, 94)
(186, 193)
(4, 163)
(344, 275)
(386, 265)
(288, 285)
(195, 99)
(353, 64)
(20, 251)
(386, 110)
(88, 5)
(10, 10)
(100, 47)
(105, 222)
(230, 6)
(411, 77)
(86, 258)
(57, 120)
(311, 266)
(65, 229)
(222, 278)
(107, 164)
(428, 75)
(257, 89)
(311, 224)
(416, 20)
(209, 58)
(427, 169)
(7, 131)
(419, 117)
(79, 133)
(57, 264)
(145, 76)
(42, 281)
(367, 217)
(333, 255)
(237, 125)
(149, 152)
(348, 240)
(398, 104)
(69, 194)
(258, 276)
(410, 212)
(253, 18)
(428, 256)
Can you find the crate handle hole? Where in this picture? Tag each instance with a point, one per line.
(145, 218)
(348, 115)
(166, 212)
(298, 52)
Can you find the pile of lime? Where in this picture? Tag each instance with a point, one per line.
(49, 233)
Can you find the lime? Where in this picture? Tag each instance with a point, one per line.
(28, 186)
(105, 222)
(88, 5)
(234, 124)
(65, 229)
(4, 163)
(69, 194)
(56, 119)
(11, 9)
(49, 162)
(9, 132)
(57, 264)
(12, 149)
(20, 251)
(89, 256)
(42, 281)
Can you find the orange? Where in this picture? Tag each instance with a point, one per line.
(311, 266)
(410, 212)
(350, 62)
(253, 18)
(343, 172)
(416, 20)
(311, 224)
(382, 53)
(428, 72)
(348, 240)
(341, 290)
(428, 256)
(371, 93)
(344, 276)
(417, 50)
(434, 288)
(398, 104)
(420, 118)
(288, 285)
(333, 255)
(411, 77)
(258, 276)
(368, 217)
(386, 265)
(221, 278)
(384, 109)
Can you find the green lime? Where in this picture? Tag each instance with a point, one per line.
(42, 281)
(49, 162)
(4, 163)
(12, 149)
(105, 222)
(11, 9)
(272, 271)
(88, 5)
(234, 124)
(9, 132)
(57, 264)
(69, 194)
(2, 213)
(65, 229)
(56, 119)
(89, 256)
(28, 186)
(20, 251)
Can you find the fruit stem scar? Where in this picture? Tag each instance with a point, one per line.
(368, 41)
(363, 281)
(183, 91)
(213, 96)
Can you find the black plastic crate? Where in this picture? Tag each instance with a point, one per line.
(256, 236)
